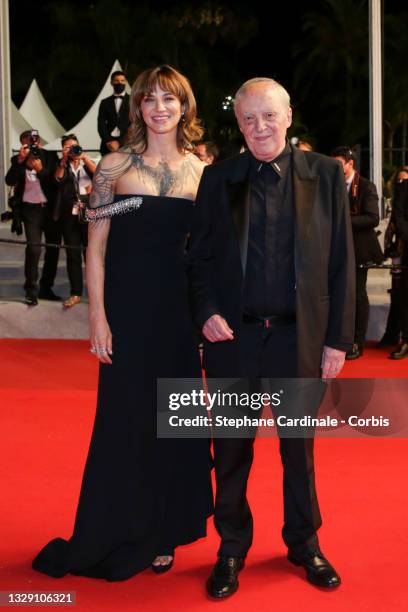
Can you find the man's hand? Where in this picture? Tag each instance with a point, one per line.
(113, 145)
(23, 154)
(34, 164)
(216, 329)
(332, 362)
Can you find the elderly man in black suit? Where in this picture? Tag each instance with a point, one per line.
(271, 271)
(113, 115)
(365, 217)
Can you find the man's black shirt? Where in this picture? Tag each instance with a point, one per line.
(270, 270)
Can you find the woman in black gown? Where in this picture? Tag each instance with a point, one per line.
(140, 496)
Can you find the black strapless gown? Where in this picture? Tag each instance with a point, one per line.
(140, 495)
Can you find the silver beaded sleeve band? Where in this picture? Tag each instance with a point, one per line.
(120, 207)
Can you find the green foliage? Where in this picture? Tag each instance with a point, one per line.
(200, 39)
(332, 69)
(396, 73)
(69, 46)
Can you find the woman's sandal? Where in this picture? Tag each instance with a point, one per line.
(72, 301)
(162, 568)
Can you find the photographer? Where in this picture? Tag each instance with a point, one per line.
(31, 175)
(73, 175)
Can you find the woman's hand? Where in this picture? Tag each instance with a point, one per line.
(100, 338)
(65, 155)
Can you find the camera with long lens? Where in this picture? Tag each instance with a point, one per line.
(75, 150)
(33, 143)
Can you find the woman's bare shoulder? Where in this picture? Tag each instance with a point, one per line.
(115, 162)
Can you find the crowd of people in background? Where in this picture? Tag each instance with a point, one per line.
(51, 193)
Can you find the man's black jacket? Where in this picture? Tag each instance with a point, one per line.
(16, 176)
(364, 218)
(108, 119)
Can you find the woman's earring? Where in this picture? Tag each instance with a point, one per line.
(183, 117)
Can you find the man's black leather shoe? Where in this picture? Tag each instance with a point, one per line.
(223, 581)
(49, 295)
(401, 352)
(318, 570)
(355, 352)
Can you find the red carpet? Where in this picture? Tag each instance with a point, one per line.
(47, 397)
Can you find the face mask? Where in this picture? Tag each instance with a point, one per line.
(118, 88)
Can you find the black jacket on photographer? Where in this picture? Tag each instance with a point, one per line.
(68, 191)
(363, 200)
(16, 176)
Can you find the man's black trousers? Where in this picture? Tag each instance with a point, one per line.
(264, 352)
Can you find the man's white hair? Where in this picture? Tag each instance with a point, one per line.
(277, 87)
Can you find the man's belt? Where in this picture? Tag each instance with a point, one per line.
(273, 321)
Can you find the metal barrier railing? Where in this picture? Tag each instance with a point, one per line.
(367, 266)
(40, 244)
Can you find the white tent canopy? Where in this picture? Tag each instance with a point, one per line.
(87, 129)
(18, 125)
(36, 111)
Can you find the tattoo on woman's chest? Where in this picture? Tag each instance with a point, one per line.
(164, 179)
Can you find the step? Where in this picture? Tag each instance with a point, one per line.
(47, 320)
(50, 320)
